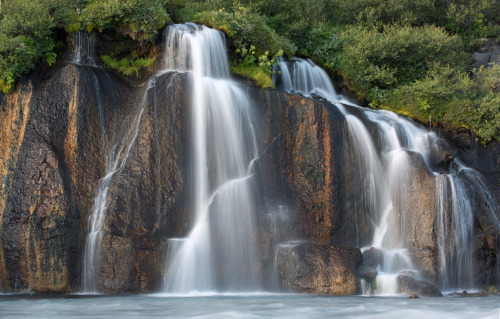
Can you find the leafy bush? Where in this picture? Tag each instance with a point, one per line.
(249, 64)
(370, 12)
(27, 29)
(128, 67)
(25, 38)
(473, 19)
(261, 78)
(397, 55)
(453, 97)
(245, 28)
(16, 58)
(139, 18)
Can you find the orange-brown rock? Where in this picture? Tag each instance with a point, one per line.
(57, 131)
(319, 269)
(56, 134)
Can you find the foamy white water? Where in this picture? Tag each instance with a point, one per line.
(219, 250)
(383, 164)
(248, 306)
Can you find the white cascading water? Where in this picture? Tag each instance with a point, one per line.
(84, 45)
(218, 253)
(116, 158)
(115, 162)
(389, 165)
(305, 77)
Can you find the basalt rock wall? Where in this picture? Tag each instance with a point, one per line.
(56, 136)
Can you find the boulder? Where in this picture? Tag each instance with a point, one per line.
(440, 155)
(410, 286)
(320, 269)
(373, 257)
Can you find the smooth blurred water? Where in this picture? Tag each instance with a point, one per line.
(246, 306)
(380, 146)
(219, 253)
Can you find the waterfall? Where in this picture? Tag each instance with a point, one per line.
(218, 253)
(380, 146)
(83, 44)
(115, 160)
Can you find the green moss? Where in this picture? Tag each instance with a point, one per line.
(128, 67)
(253, 72)
(6, 87)
(74, 27)
(491, 290)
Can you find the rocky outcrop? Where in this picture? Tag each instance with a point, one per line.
(56, 134)
(372, 258)
(301, 168)
(58, 130)
(319, 269)
(487, 54)
(146, 196)
(407, 285)
(413, 219)
(42, 183)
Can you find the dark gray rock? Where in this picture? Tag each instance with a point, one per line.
(410, 286)
(373, 257)
(441, 155)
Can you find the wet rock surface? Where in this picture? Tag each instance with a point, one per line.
(55, 135)
(409, 286)
(319, 269)
(372, 258)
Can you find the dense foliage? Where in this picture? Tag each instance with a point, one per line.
(126, 66)
(410, 56)
(28, 28)
(140, 18)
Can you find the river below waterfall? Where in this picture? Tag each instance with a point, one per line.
(245, 306)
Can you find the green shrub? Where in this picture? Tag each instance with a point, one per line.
(245, 28)
(454, 97)
(16, 58)
(25, 38)
(397, 55)
(128, 67)
(249, 64)
(253, 72)
(139, 18)
(370, 12)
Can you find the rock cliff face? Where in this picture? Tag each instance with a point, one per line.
(55, 137)
(57, 132)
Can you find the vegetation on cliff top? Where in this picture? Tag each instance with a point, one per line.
(410, 56)
(29, 28)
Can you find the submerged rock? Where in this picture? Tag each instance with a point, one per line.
(319, 269)
(466, 293)
(410, 286)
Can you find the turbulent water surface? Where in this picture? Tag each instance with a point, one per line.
(246, 306)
